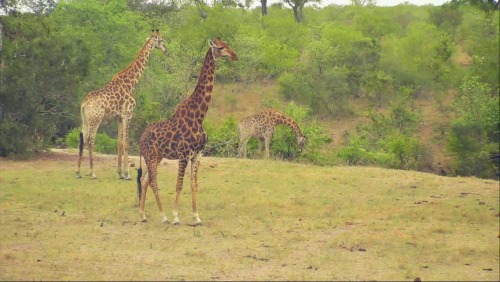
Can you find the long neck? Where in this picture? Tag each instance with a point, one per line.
(130, 75)
(280, 118)
(295, 127)
(202, 94)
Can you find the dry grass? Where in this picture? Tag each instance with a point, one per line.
(263, 220)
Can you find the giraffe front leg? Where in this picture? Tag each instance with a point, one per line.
(266, 148)
(126, 172)
(178, 189)
(260, 147)
(195, 165)
(242, 152)
(120, 148)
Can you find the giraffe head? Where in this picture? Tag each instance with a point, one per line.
(221, 49)
(301, 142)
(158, 41)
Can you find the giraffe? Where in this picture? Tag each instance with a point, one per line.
(180, 137)
(115, 101)
(262, 126)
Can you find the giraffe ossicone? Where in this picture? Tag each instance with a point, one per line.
(181, 137)
(115, 101)
(262, 126)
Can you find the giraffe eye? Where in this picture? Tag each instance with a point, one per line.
(220, 48)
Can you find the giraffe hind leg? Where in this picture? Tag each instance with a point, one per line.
(80, 156)
(178, 188)
(141, 190)
(151, 180)
(92, 132)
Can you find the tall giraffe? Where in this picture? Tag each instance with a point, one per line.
(181, 137)
(262, 126)
(115, 101)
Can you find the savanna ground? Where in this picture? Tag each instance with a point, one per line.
(262, 220)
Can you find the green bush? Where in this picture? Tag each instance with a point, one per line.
(13, 140)
(474, 136)
(355, 153)
(103, 143)
(469, 145)
(222, 141)
(316, 138)
(403, 150)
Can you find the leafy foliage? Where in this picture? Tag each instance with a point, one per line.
(51, 58)
(389, 141)
(40, 76)
(475, 135)
(103, 143)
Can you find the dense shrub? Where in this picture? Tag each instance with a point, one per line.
(103, 143)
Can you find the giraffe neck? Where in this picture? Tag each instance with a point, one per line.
(285, 120)
(293, 125)
(202, 94)
(129, 76)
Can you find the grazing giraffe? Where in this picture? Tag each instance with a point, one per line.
(115, 101)
(262, 126)
(181, 137)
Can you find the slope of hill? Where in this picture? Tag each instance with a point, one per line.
(239, 100)
(263, 220)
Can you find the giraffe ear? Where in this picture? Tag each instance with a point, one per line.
(152, 30)
(157, 31)
(211, 43)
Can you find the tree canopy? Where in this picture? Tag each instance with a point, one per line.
(51, 56)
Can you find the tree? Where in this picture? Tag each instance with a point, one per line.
(475, 134)
(421, 58)
(480, 36)
(486, 6)
(446, 17)
(38, 84)
(364, 2)
(297, 7)
(31, 6)
(264, 7)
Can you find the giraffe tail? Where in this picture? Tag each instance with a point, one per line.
(139, 175)
(83, 133)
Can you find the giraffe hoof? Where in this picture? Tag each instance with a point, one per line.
(78, 175)
(144, 220)
(177, 223)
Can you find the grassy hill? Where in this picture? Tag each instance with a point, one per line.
(262, 220)
(240, 100)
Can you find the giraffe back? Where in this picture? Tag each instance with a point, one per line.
(263, 125)
(112, 101)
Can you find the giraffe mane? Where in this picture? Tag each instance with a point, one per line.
(133, 61)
